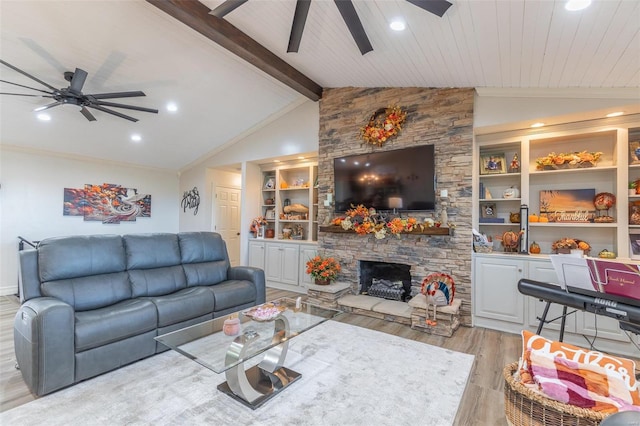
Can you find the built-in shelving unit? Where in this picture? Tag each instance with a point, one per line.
(290, 201)
(611, 174)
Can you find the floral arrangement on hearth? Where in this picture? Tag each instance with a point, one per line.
(570, 160)
(323, 269)
(365, 221)
(378, 130)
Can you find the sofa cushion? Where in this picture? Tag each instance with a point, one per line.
(147, 251)
(91, 292)
(80, 256)
(183, 305)
(233, 293)
(156, 282)
(208, 273)
(99, 327)
(198, 247)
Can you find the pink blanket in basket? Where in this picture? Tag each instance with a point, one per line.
(585, 385)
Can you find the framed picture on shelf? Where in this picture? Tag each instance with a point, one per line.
(634, 152)
(488, 210)
(270, 182)
(568, 205)
(493, 164)
(634, 246)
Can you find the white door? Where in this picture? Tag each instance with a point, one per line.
(226, 220)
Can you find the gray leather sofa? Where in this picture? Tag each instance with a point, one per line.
(91, 304)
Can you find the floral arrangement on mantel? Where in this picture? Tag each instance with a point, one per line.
(379, 130)
(365, 221)
(568, 160)
(323, 269)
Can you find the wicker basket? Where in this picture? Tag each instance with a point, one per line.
(524, 407)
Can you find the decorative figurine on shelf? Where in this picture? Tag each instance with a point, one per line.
(514, 167)
(603, 201)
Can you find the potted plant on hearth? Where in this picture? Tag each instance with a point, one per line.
(323, 269)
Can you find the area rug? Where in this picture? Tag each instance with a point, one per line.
(350, 376)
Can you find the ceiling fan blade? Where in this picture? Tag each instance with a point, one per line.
(117, 95)
(77, 81)
(28, 75)
(42, 108)
(227, 7)
(297, 27)
(437, 7)
(350, 17)
(87, 114)
(115, 105)
(109, 111)
(26, 87)
(23, 94)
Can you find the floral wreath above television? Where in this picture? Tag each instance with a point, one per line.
(379, 130)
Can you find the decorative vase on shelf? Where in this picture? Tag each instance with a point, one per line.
(322, 281)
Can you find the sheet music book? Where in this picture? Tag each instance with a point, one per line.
(617, 280)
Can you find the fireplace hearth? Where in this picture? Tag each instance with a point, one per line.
(385, 280)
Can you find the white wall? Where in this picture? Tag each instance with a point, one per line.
(295, 132)
(31, 198)
(507, 109)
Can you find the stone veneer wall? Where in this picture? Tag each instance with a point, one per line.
(439, 117)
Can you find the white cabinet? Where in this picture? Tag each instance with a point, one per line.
(284, 262)
(281, 263)
(497, 304)
(499, 299)
(256, 254)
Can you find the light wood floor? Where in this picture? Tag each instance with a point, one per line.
(482, 402)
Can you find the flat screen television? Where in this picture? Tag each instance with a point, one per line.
(402, 179)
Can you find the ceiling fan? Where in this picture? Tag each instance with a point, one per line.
(346, 9)
(73, 95)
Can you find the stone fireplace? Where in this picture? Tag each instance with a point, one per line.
(441, 117)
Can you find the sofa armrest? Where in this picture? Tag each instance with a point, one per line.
(249, 273)
(43, 334)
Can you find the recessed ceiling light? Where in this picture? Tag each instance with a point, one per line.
(615, 114)
(539, 124)
(574, 5)
(397, 25)
(301, 158)
(44, 117)
(172, 107)
(136, 137)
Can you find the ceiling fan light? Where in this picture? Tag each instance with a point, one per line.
(172, 107)
(575, 5)
(397, 25)
(136, 137)
(43, 117)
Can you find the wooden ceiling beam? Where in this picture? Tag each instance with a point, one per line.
(196, 16)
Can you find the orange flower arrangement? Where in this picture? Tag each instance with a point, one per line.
(378, 130)
(323, 268)
(365, 221)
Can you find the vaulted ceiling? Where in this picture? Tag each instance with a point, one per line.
(134, 45)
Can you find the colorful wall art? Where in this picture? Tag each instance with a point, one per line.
(568, 205)
(106, 203)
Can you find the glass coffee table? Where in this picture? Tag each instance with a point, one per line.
(224, 344)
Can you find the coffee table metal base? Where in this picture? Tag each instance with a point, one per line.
(261, 382)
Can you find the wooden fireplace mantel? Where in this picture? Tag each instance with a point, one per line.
(434, 230)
